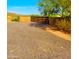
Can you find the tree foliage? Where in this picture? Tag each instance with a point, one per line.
(55, 7)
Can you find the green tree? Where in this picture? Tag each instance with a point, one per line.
(54, 7)
(65, 7)
(46, 7)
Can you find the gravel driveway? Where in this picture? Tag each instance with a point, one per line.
(28, 42)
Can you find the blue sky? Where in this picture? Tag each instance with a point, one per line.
(25, 7)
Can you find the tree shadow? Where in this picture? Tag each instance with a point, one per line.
(46, 27)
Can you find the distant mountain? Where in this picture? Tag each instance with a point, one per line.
(12, 14)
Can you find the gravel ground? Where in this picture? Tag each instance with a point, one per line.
(28, 42)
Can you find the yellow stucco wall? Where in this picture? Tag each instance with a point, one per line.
(9, 18)
(25, 18)
(21, 18)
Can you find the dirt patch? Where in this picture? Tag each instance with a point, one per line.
(27, 42)
(59, 33)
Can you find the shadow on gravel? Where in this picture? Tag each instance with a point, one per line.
(40, 25)
(43, 27)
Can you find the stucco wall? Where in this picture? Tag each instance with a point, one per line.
(25, 19)
(21, 18)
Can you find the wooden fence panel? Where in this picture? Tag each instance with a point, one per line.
(39, 19)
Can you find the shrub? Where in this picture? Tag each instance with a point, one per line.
(64, 25)
(54, 15)
(16, 18)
